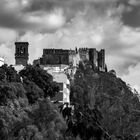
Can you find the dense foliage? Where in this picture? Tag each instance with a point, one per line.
(41, 78)
(119, 106)
(84, 123)
(25, 112)
(9, 74)
(103, 106)
(20, 121)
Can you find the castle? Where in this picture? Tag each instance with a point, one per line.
(59, 63)
(60, 56)
(97, 58)
(72, 57)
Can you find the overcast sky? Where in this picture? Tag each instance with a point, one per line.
(110, 24)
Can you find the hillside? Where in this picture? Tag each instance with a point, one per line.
(105, 108)
(25, 112)
(119, 106)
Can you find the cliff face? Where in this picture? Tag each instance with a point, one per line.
(120, 107)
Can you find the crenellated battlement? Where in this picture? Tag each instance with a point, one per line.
(54, 51)
(97, 58)
(60, 56)
(83, 50)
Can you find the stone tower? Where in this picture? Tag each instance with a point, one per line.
(93, 57)
(101, 60)
(21, 53)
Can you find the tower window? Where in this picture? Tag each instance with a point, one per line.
(22, 50)
(18, 50)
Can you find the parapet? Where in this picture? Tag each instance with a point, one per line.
(58, 56)
(55, 51)
(83, 50)
(24, 43)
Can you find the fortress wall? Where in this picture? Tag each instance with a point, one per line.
(101, 60)
(93, 56)
(84, 54)
(55, 56)
(72, 57)
(96, 58)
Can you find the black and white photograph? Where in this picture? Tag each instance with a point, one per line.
(69, 69)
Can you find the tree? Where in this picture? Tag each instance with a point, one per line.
(6, 93)
(33, 92)
(41, 78)
(8, 73)
(39, 120)
(119, 106)
(84, 122)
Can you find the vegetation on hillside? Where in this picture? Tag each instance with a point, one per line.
(118, 105)
(40, 78)
(104, 106)
(25, 112)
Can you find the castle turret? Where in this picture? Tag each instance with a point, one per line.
(21, 53)
(84, 54)
(101, 60)
(93, 57)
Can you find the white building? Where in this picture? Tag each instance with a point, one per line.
(2, 62)
(60, 77)
(18, 67)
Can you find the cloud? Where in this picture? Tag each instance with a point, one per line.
(133, 77)
(7, 35)
(7, 39)
(13, 16)
(97, 28)
(74, 23)
(48, 21)
(7, 52)
(134, 2)
(37, 5)
(64, 25)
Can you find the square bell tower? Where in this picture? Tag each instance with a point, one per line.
(21, 53)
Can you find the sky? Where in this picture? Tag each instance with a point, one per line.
(113, 25)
